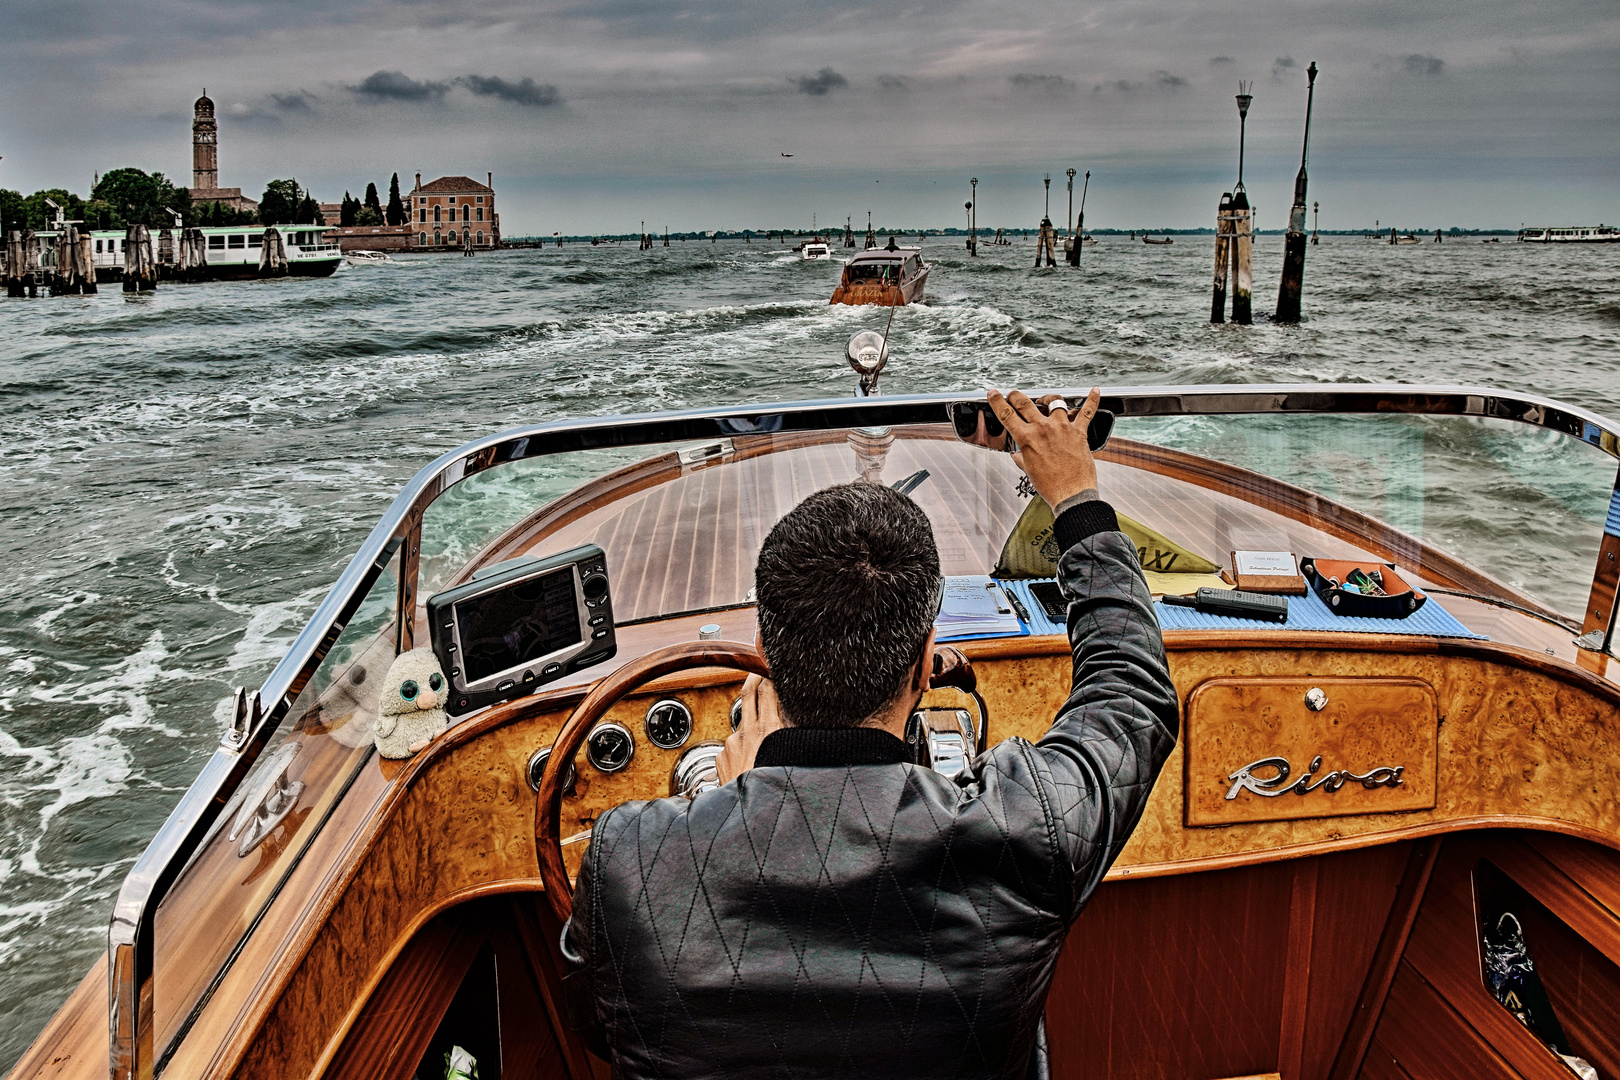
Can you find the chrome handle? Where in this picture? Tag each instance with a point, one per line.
(1316, 699)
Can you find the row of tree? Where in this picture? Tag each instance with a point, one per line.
(125, 197)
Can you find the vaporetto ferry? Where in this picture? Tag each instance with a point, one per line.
(1573, 234)
(234, 252)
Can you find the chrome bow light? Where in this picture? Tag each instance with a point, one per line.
(868, 352)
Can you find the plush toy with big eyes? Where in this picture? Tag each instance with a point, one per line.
(411, 712)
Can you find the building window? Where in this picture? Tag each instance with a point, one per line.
(480, 200)
(452, 200)
(480, 213)
(436, 241)
(422, 201)
(466, 213)
(480, 236)
(423, 240)
(421, 215)
(436, 212)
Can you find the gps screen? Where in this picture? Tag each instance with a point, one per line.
(519, 623)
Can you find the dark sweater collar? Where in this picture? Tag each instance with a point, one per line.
(824, 747)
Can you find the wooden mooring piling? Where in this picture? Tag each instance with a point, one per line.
(1223, 256)
(140, 263)
(75, 271)
(1234, 235)
(273, 255)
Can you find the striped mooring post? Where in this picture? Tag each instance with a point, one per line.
(1223, 256)
(1293, 273)
(74, 274)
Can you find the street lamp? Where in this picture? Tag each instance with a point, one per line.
(1048, 182)
(973, 218)
(1243, 99)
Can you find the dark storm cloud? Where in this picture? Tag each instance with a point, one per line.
(1281, 65)
(1423, 64)
(821, 83)
(891, 82)
(523, 92)
(1221, 60)
(1169, 81)
(296, 101)
(1032, 82)
(397, 86)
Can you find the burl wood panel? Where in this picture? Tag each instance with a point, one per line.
(1368, 724)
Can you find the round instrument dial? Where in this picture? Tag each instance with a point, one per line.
(610, 747)
(537, 770)
(668, 724)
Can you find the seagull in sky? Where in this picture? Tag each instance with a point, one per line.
(786, 154)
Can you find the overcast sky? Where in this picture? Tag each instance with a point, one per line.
(597, 114)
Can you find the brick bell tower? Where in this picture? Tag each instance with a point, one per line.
(204, 146)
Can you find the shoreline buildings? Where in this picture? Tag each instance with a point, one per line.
(455, 212)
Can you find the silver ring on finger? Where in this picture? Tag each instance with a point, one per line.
(1058, 403)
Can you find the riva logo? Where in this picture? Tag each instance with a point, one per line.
(1272, 786)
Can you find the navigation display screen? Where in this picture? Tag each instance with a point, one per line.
(522, 622)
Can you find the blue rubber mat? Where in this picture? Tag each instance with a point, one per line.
(1306, 612)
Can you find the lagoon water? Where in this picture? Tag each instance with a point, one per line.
(189, 470)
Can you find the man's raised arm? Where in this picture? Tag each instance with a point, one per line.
(1110, 739)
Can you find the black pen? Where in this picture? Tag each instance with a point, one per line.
(1012, 598)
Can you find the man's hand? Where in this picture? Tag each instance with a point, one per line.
(1052, 447)
(761, 715)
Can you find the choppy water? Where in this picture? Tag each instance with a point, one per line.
(188, 471)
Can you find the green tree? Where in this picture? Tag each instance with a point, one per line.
(36, 215)
(217, 213)
(368, 215)
(373, 202)
(396, 205)
(280, 202)
(309, 212)
(12, 212)
(125, 197)
(350, 207)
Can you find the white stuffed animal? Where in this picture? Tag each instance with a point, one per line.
(411, 712)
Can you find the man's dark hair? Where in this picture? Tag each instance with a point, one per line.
(848, 587)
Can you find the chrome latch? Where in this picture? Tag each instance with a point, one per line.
(1591, 641)
(1316, 699)
(245, 716)
(267, 803)
(945, 739)
(697, 455)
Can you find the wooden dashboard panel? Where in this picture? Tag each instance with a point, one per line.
(1257, 751)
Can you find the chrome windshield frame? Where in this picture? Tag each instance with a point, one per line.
(130, 944)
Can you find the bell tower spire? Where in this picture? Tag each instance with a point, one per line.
(204, 146)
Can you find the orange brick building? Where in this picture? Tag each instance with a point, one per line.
(455, 212)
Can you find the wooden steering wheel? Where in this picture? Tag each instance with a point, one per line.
(609, 692)
(951, 668)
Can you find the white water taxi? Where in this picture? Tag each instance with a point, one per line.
(362, 256)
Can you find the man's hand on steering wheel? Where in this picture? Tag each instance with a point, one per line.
(761, 715)
(1052, 448)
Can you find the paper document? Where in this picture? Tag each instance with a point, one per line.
(975, 606)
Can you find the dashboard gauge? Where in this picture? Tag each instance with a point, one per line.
(537, 770)
(610, 747)
(736, 714)
(668, 724)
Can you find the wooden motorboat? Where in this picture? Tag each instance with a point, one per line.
(312, 910)
(890, 276)
(1160, 243)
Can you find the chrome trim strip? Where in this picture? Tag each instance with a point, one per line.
(129, 933)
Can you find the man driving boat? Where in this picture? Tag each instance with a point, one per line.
(833, 907)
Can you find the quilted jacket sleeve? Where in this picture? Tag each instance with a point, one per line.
(579, 995)
(1110, 739)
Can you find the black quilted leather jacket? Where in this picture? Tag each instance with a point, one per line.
(877, 919)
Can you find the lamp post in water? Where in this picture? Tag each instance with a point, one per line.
(973, 218)
(1293, 274)
(1242, 228)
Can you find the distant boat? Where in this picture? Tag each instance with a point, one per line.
(1160, 243)
(361, 255)
(816, 249)
(1578, 234)
(1085, 241)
